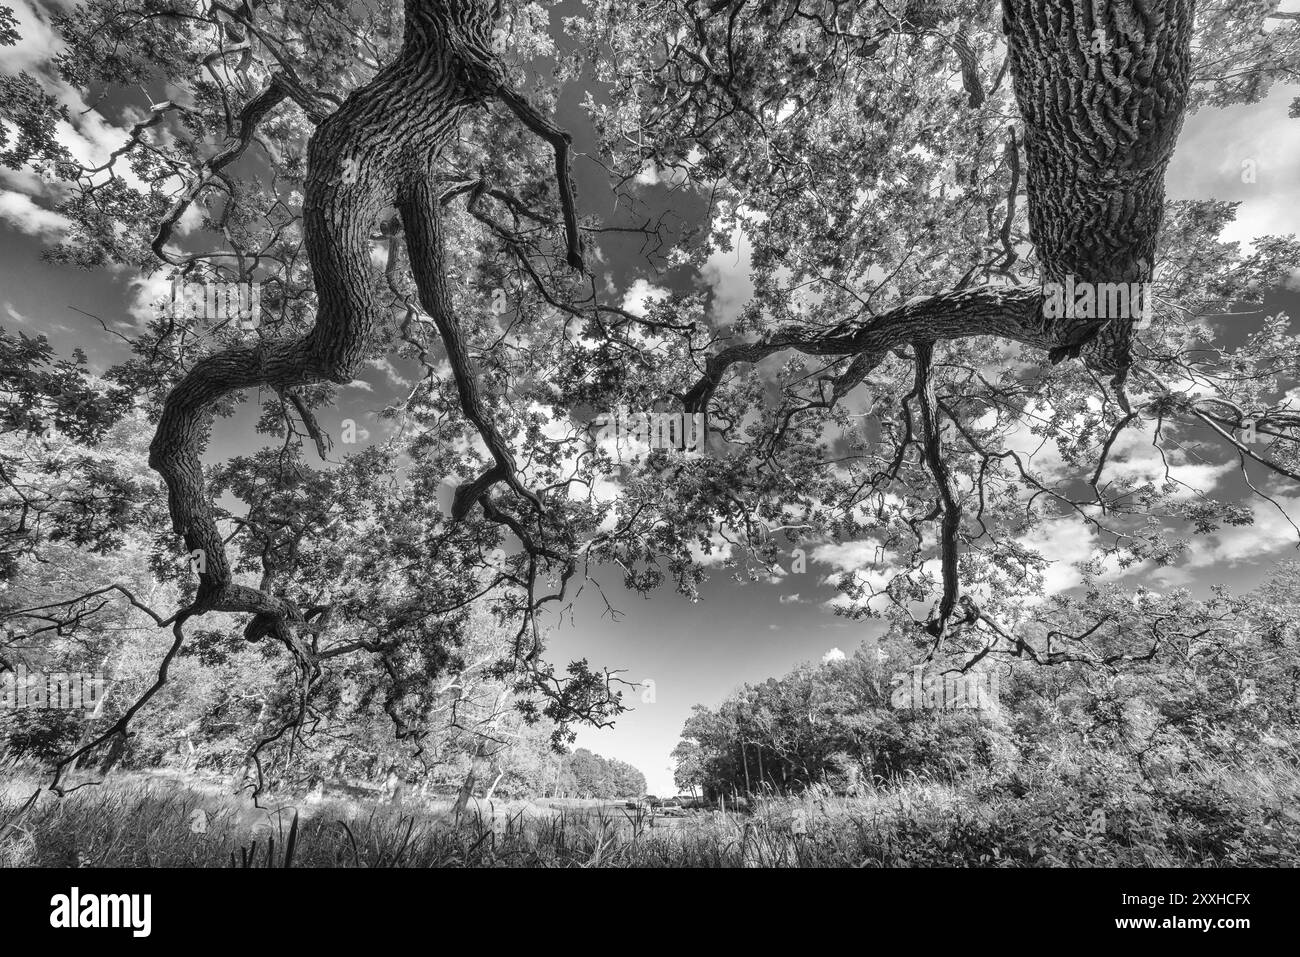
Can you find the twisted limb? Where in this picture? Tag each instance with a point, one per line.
(379, 146)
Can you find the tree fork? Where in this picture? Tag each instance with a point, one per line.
(1102, 86)
(379, 145)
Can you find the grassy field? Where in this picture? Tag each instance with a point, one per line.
(170, 821)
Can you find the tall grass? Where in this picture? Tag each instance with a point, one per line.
(1207, 817)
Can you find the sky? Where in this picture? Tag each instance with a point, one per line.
(682, 653)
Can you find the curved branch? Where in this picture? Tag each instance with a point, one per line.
(358, 159)
(560, 141)
(120, 725)
(249, 117)
(950, 521)
(422, 221)
(1008, 312)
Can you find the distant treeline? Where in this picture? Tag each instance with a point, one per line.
(588, 775)
(1215, 686)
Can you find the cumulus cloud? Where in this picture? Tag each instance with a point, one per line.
(1132, 461)
(1239, 544)
(385, 365)
(849, 556)
(653, 175)
(148, 297)
(18, 211)
(37, 41)
(1063, 542)
(833, 655)
(641, 294)
(87, 135)
(728, 275)
(721, 551)
(1245, 153)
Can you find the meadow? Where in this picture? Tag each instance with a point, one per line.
(167, 820)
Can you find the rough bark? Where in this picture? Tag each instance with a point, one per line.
(1009, 312)
(1100, 128)
(418, 206)
(379, 147)
(1102, 86)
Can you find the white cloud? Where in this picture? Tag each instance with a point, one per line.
(1219, 147)
(23, 180)
(91, 139)
(640, 294)
(149, 296)
(37, 42)
(849, 556)
(833, 655)
(1062, 542)
(652, 175)
(15, 315)
(1132, 460)
(721, 550)
(87, 135)
(872, 567)
(1235, 544)
(20, 212)
(385, 365)
(190, 220)
(728, 275)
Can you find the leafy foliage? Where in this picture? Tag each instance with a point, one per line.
(870, 160)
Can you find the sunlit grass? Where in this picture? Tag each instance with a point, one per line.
(1207, 817)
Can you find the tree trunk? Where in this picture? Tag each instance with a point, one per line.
(467, 787)
(463, 796)
(492, 789)
(115, 752)
(1102, 87)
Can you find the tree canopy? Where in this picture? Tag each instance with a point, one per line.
(915, 181)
